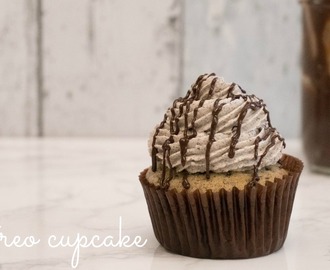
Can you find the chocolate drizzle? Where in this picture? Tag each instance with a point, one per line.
(184, 108)
(237, 129)
(180, 112)
(166, 157)
(154, 149)
(216, 109)
(185, 182)
(255, 176)
(256, 146)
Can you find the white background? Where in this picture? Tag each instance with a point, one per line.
(111, 68)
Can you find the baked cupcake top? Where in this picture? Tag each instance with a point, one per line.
(217, 127)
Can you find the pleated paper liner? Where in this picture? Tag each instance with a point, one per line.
(227, 224)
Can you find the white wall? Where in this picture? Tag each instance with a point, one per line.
(111, 68)
(18, 94)
(255, 43)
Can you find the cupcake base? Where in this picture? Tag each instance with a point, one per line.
(232, 224)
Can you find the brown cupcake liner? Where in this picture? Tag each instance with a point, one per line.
(227, 224)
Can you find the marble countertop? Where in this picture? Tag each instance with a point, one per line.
(58, 193)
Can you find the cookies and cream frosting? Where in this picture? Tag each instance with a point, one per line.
(217, 127)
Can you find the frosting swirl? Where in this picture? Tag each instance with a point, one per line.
(216, 127)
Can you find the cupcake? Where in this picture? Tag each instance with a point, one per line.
(219, 185)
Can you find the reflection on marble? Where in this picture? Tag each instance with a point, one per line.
(69, 186)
